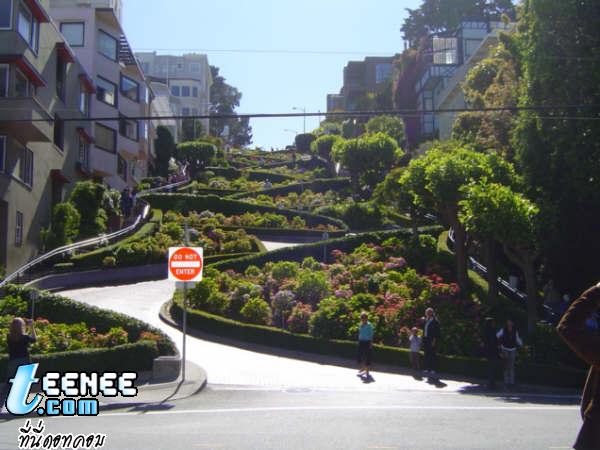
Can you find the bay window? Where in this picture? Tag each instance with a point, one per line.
(107, 45)
(28, 26)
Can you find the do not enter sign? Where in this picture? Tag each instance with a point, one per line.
(185, 263)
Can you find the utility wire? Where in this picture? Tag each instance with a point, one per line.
(347, 114)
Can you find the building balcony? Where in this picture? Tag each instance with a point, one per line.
(432, 75)
(26, 119)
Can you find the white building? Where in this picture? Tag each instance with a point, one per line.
(121, 145)
(188, 78)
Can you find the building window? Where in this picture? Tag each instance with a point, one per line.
(28, 27)
(194, 111)
(19, 229)
(5, 14)
(107, 45)
(26, 167)
(106, 92)
(130, 89)
(105, 138)
(122, 167)
(175, 91)
(61, 78)
(383, 72)
(185, 91)
(185, 111)
(84, 101)
(2, 152)
(23, 87)
(59, 132)
(195, 92)
(84, 153)
(195, 67)
(129, 128)
(4, 80)
(74, 33)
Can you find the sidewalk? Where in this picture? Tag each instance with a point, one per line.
(150, 394)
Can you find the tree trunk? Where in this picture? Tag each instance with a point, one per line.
(460, 251)
(532, 295)
(492, 270)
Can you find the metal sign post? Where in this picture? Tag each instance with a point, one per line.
(186, 242)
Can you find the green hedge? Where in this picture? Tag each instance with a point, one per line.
(123, 358)
(186, 203)
(95, 257)
(63, 310)
(283, 232)
(275, 337)
(320, 185)
(231, 173)
(207, 191)
(315, 250)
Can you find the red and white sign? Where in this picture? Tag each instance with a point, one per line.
(185, 263)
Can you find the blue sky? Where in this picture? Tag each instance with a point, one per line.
(272, 81)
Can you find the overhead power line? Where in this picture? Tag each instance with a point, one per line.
(347, 114)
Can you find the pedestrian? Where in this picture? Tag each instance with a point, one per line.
(267, 184)
(586, 344)
(431, 337)
(18, 350)
(509, 340)
(365, 346)
(125, 203)
(134, 200)
(491, 351)
(415, 350)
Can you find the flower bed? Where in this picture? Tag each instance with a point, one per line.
(325, 300)
(64, 327)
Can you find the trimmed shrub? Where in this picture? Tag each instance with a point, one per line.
(303, 142)
(312, 287)
(257, 311)
(65, 225)
(299, 319)
(88, 198)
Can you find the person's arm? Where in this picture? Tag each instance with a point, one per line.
(500, 333)
(519, 340)
(572, 327)
(32, 335)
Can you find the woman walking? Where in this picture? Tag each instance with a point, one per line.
(431, 336)
(365, 346)
(509, 342)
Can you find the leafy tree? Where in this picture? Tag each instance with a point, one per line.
(560, 159)
(390, 125)
(65, 225)
(434, 16)
(497, 213)
(367, 158)
(197, 154)
(303, 142)
(323, 145)
(224, 99)
(435, 181)
(88, 198)
(165, 150)
(328, 127)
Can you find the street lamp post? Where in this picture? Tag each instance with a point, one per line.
(295, 108)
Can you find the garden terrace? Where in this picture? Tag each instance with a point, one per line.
(185, 203)
(288, 299)
(317, 186)
(76, 337)
(150, 245)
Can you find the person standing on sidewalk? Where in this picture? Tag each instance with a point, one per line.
(365, 346)
(586, 343)
(431, 336)
(490, 349)
(509, 342)
(415, 351)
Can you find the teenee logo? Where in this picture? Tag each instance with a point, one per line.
(67, 394)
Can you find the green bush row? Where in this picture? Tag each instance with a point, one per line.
(63, 310)
(292, 232)
(320, 185)
(185, 203)
(207, 191)
(316, 249)
(123, 358)
(274, 337)
(232, 173)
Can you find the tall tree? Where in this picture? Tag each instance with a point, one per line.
(436, 180)
(560, 158)
(224, 99)
(435, 16)
(390, 125)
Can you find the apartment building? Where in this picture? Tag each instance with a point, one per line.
(165, 105)
(122, 145)
(188, 78)
(361, 78)
(448, 58)
(44, 141)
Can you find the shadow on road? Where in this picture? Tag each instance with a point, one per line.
(524, 395)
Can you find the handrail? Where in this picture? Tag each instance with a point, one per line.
(102, 239)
